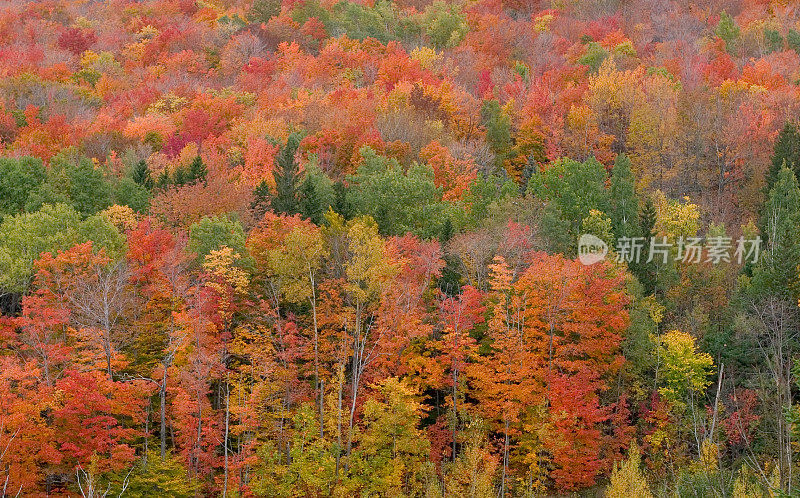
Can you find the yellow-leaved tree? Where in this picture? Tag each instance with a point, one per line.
(627, 479)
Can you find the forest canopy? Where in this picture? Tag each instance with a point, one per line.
(399, 248)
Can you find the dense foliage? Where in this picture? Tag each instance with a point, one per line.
(329, 248)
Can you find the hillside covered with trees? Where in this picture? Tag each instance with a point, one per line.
(331, 248)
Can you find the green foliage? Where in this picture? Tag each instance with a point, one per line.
(571, 189)
(357, 21)
(18, 178)
(483, 192)
(262, 200)
(312, 467)
(498, 131)
(392, 450)
(444, 24)
(263, 10)
(776, 271)
(197, 171)
(774, 40)
(599, 225)
(141, 175)
(399, 202)
(167, 477)
(624, 201)
(212, 233)
(134, 195)
(728, 30)
(287, 177)
(89, 192)
(75, 181)
(786, 152)
(316, 194)
(24, 237)
(594, 56)
(793, 39)
(684, 369)
(646, 272)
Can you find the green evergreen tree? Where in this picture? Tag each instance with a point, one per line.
(793, 39)
(262, 199)
(167, 477)
(447, 231)
(624, 202)
(287, 178)
(645, 272)
(786, 151)
(141, 175)
(774, 40)
(197, 171)
(342, 204)
(179, 177)
(776, 271)
(164, 180)
(310, 204)
(728, 30)
(498, 131)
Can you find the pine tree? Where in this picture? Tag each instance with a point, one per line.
(262, 199)
(776, 271)
(163, 180)
(342, 205)
(179, 177)
(785, 152)
(287, 177)
(309, 202)
(646, 272)
(141, 175)
(447, 231)
(197, 171)
(624, 202)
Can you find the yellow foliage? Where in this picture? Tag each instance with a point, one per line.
(627, 479)
(674, 218)
(221, 263)
(684, 368)
(542, 22)
(426, 56)
(122, 217)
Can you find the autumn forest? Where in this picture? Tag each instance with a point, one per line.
(423, 248)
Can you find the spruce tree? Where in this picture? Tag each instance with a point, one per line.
(262, 200)
(310, 205)
(624, 202)
(287, 178)
(786, 152)
(776, 271)
(179, 177)
(163, 180)
(342, 205)
(141, 175)
(646, 272)
(197, 171)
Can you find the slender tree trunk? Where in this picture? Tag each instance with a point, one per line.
(455, 413)
(505, 460)
(163, 428)
(146, 433)
(317, 384)
(340, 374)
(227, 429)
